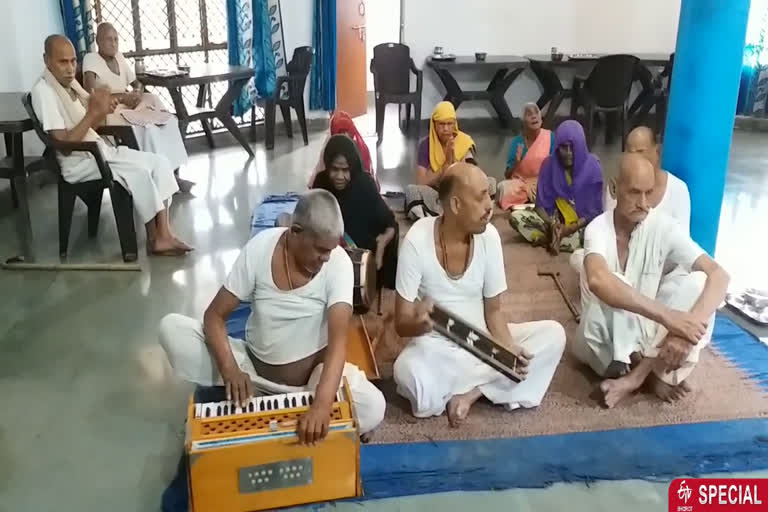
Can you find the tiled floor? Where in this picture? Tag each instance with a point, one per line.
(91, 416)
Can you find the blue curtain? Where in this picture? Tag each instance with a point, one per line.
(249, 33)
(322, 92)
(78, 18)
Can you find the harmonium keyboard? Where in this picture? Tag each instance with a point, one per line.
(248, 458)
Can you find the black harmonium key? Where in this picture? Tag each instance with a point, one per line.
(476, 342)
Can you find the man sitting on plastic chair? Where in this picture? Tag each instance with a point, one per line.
(70, 114)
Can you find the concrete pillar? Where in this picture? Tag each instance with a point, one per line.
(702, 105)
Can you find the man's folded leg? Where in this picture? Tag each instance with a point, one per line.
(367, 399)
(183, 339)
(546, 341)
(681, 291)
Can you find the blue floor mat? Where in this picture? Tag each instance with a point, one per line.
(656, 453)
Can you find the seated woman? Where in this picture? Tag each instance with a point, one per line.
(342, 124)
(526, 154)
(569, 194)
(368, 221)
(444, 146)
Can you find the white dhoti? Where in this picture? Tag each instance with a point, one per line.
(147, 176)
(161, 139)
(607, 334)
(431, 370)
(184, 343)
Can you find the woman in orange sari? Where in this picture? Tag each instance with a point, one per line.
(526, 154)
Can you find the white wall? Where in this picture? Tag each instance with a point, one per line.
(24, 25)
(382, 21)
(507, 27)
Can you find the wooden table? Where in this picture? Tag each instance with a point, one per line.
(202, 75)
(507, 68)
(649, 59)
(553, 89)
(13, 123)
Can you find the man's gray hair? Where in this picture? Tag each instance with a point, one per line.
(318, 213)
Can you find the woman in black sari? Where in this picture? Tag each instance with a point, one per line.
(368, 221)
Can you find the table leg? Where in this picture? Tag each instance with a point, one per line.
(202, 92)
(181, 110)
(453, 92)
(499, 85)
(19, 181)
(224, 112)
(9, 152)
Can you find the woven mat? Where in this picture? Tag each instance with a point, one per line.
(721, 391)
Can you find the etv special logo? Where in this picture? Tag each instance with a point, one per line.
(718, 495)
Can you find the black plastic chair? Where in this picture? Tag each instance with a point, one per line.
(392, 66)
(606, 90)
(296, 79)
(655, 93)
(554, 92)
(90, 192)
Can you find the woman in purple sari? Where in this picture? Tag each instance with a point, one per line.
(569, 194)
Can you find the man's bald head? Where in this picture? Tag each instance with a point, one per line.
(104, 28)
(54, 43)
(634, 184)
(465, 197)
(642, 141)
(60, 58)
(107, 40)
(459, 176)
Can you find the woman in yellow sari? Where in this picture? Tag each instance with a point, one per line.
(444, 146)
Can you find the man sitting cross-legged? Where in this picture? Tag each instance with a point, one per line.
(69, 114)
(456, 261)
(299, 283)
(639, 325)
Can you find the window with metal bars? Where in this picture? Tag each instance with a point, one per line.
(168, 33)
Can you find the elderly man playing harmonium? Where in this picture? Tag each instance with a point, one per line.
(156, 130)
(456, 261)
(641, 324)
(299, 282)
(70, 114)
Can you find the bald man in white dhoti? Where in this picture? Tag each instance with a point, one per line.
(156, 130)
(639, 324)
(456, 261)
(70, 114)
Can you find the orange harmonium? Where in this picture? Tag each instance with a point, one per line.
(249, 459)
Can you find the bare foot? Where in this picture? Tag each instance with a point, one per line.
(165, 247)
(667, 392)
(459, 405)
(615, 390)
(181, 245)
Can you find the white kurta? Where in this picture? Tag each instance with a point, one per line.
(607, 334)
(147, 176)
(160, 139)
(676, 203)
(284, 326)
(432, 369)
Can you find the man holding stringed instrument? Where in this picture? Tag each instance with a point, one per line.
(299, 282)
(456, 261)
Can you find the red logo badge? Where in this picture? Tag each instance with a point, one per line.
(718, 495)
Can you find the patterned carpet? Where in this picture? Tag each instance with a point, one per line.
(721, 391)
